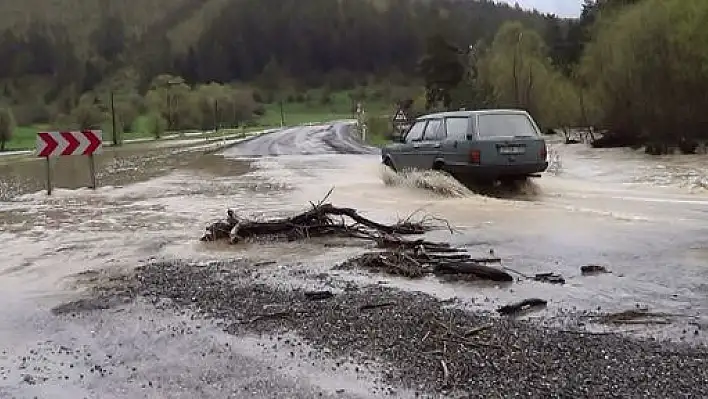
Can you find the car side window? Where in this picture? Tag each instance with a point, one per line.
(457, 128)
(434, 131)
(416, 132)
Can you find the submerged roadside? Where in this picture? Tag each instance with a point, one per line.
(116, 166)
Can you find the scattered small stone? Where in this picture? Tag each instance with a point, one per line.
(511, 358)
(28, 379)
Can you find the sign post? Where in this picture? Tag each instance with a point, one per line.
(400, 122)
(49, 175)
(92, 171)
(54, 144)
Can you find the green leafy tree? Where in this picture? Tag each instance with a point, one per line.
(76, 46)
(325, 96)
(223, 105)
(442, 69)
(171, 97)
(516, 72)
(272, 78)
(88, 114)
(646, 67)
(156, 125)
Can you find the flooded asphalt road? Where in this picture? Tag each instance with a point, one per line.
(641, 218)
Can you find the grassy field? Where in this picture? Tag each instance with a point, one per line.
(24, 138)
(378, 130)
(295, 113)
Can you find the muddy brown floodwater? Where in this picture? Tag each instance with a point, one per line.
(642, 218)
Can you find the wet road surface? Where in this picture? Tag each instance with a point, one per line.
(641, 218)
(602, 208)
(334, 138)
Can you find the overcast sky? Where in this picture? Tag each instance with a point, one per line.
(563, 8)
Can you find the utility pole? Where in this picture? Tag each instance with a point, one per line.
(169, 111)
(171, 119)
(216, 116)
(515, 72)
(113, 120)
(361, 121)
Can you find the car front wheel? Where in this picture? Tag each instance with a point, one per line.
(389, 163)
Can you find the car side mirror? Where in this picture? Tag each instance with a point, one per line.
(401, 139)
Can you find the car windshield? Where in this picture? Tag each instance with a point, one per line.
(506, 125)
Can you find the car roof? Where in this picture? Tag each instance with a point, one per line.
(467, 114)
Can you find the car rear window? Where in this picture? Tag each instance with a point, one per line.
(505, 125)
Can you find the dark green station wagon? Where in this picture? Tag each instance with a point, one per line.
(476, 146)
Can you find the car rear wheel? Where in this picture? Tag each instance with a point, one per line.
(511, 180)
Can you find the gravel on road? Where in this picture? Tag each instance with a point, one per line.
(423, 343)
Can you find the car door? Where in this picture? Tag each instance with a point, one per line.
(455, 147)
(430, 147)
(405, 158)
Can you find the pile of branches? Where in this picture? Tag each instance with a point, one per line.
(398, 255)
(415, 259)
(321, 220)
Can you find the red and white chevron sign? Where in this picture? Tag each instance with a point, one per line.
(53, 144)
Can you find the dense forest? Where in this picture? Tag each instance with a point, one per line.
(634, 67)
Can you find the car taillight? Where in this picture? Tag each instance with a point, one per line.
(474, 156)
(543, 153)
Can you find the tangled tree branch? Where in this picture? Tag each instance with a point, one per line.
(322, 220)
(399, 256)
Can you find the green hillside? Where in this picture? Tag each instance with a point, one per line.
(64, 58)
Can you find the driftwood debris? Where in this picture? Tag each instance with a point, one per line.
(519, 307)
(318, 295)
(474, 269)
(415, 262)
(636, 316)
(321, 220)
(551, 278)
(591, 270)
(411, 258)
